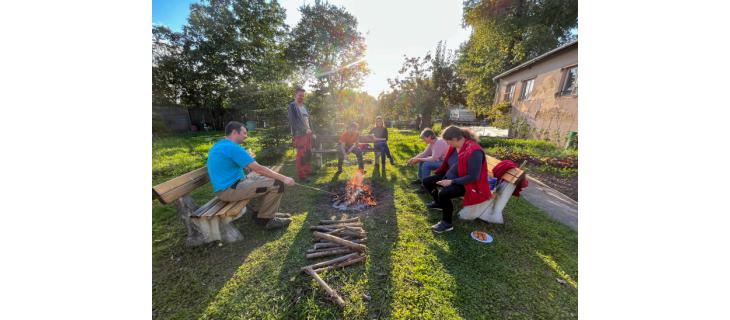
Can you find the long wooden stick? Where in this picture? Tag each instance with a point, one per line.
(340, 225)
(326, 253)
(346, 243)
(356, 219)
(314, 250)
(327, 244)
(332, 293)
(329, 262)
(341, 264)
(322, 228)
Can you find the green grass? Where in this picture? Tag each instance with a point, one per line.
(535, 148)
(410, 273)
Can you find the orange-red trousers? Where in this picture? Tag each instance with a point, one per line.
(303, 144)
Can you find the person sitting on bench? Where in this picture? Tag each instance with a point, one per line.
(348, 144)
(431, 158)
(463, 173)
(227, 161)
(380, 136)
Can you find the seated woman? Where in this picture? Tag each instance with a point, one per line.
(380, 135)
(348, 144)
(463, 173)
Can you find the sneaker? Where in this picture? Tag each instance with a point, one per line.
(277, 223)
(442, 227)
(283, 215)
(433, 205)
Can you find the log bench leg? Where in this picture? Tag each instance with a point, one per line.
(502, 194)
(205, 230)
(185, 207)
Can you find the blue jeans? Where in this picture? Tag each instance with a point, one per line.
(425, 168)
(382, 148)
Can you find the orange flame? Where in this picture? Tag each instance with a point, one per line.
(357, 191)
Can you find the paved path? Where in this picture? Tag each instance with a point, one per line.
(556, 204)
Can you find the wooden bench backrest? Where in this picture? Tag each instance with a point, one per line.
(175, 188)
(512, 175)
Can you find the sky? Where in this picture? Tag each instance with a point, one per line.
(391, 29)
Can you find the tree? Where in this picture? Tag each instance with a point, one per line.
(446, 80)
(327, 47)
(225, 45)
(412, 91)
(507, 33)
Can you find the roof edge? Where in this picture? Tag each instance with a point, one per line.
(536, 59)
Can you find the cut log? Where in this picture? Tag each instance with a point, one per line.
(327, 253)
(315, 250)
(342, 264)
(205, 207)
(356, 219)
(214, 209)
(344, 242)
(235, 210)
(336, 231)
(322, 228)
(340, 225)
(329, 262)
(332, 293)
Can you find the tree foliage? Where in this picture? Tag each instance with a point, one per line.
(327, 47)
(225, 44)
(425, 85)
(507, 33)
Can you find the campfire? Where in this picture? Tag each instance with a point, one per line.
(357, 195)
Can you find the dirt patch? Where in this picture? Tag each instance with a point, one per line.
(566, 185)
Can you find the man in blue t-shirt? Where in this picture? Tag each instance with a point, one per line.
(227, 161)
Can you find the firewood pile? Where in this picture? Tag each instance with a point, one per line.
(342, 238)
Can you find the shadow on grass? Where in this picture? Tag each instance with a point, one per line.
(515, 276)
(186, 279)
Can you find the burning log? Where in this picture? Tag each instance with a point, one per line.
(355, 219)
(325, 253)
(342, 264)
(344, 242)
(357, 195)
(332, 293)
(331, 262)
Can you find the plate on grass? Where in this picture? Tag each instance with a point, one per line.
(482, 237)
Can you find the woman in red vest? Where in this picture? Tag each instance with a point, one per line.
(463, 173)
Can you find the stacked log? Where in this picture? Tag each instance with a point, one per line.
(336, 237)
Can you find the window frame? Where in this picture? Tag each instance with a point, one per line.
(562, 89)
(509, 94)
(524, 87)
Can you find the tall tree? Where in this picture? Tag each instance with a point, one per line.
(226, 44)
(327, 47)
(507, 33)
(446, 80)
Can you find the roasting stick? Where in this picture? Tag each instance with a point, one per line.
(332, 293)
(313, 188)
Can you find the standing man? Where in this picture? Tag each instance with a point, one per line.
(301, 133)
(227, 161)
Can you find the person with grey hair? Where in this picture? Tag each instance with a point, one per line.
(432, 157)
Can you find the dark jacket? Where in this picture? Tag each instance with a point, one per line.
(296, 122)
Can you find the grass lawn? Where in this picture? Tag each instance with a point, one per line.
(409, 272)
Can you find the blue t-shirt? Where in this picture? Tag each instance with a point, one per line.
(226, 161)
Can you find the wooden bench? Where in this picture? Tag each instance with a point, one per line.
(209, 222)
(491, 210)
(328, 144)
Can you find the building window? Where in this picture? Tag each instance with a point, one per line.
(527, 88)
(509, 92)
(570, 84)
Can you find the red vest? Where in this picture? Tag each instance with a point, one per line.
(476, 191)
